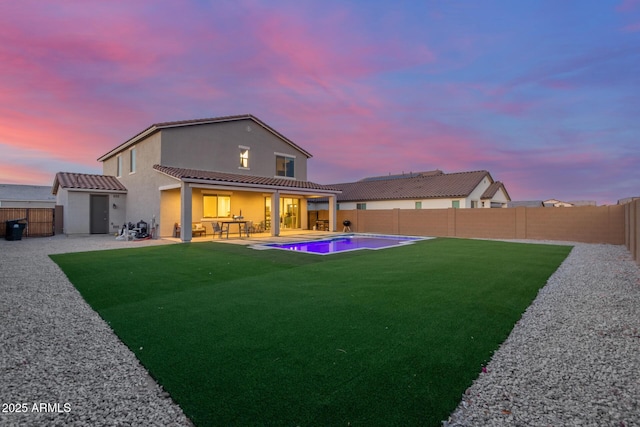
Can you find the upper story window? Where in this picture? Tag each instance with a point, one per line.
(284, 165)
(244, 157)
(132, 163)
(119, 166)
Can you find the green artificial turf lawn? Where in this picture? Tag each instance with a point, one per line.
(244, 337)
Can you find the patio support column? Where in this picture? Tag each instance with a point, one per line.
(275, 214)
(185, 212)
(332, 213)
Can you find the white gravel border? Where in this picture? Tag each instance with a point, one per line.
(573, 358)
(60, 364)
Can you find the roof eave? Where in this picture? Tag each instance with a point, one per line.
(167, 125)
(145, 133)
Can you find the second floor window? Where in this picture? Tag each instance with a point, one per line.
(133, 160)
(119, 166)
(244, 157)
(284, 166)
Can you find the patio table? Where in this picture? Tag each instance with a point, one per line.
(240, 224)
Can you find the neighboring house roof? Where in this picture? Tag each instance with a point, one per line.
(493, 189)
(193, 175)
(557, 203)
(526, 204)
(26, 193)
(182, 123)
(627, 200)
(403, 175)
(84, 181)
(424, 185)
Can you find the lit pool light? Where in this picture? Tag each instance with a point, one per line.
(343, 243)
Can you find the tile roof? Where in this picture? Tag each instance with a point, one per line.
(84, 181)
(493, 189)
(190, 175)
(180, 123)
(423, 186)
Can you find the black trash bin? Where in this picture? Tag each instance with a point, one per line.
(14, 229)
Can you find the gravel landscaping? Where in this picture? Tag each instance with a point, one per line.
(60, 363)
(573, 359)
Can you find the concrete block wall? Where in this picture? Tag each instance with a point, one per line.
(603, 224)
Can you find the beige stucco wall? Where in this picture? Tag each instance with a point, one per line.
(77, 213)
(216, 147)
(500, 197)
(143, 185)
(77, 210)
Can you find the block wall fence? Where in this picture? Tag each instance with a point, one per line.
(615, 224)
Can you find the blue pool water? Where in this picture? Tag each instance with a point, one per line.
(343, 243)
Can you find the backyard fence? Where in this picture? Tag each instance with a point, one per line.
(589, 224)
(40, 221)
(632, 228)
(615, 224)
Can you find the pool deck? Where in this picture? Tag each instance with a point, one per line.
(263, 238)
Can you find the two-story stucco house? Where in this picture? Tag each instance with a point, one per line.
(204, 171)
(421, 190)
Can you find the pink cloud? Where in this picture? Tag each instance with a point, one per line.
(18, 174)
(628, 5)
(633, 28)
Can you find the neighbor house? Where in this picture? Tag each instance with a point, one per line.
(205, 171)
(26, 196)
(421, 190)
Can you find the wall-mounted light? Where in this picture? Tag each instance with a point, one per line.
(115, 206)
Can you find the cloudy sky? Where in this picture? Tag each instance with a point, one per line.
(543, 94)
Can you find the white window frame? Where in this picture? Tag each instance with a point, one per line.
(133, 159)
(244, 150)
(119, 165)
(286, 156)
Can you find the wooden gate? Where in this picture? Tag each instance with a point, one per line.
(40, 221)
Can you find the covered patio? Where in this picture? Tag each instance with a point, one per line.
(201, 201)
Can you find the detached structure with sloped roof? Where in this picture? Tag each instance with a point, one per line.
(422, 190)
(91, 203)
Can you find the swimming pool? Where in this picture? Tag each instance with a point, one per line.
(344, 243)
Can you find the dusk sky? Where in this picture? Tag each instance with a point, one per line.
(544, 94)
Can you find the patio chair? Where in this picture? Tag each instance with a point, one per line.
(248, 228)
(258, 228)
(219, 229)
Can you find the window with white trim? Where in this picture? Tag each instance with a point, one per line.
(132, 160)
(119, 166)
(285, 166)
(244, 157)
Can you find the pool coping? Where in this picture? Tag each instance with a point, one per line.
(410, 240)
